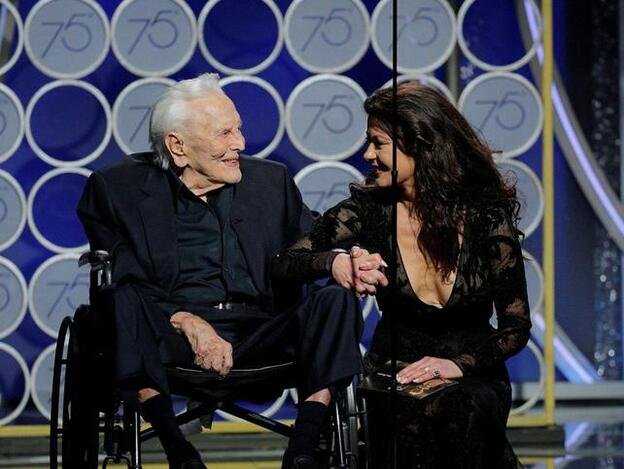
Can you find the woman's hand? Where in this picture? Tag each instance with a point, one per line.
(428, 368)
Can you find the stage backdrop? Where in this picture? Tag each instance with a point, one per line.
(79, 77)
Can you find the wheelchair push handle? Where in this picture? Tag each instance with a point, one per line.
(100, 261)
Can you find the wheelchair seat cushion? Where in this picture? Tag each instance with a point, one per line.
(254, 384)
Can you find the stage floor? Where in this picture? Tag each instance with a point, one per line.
(592, 438)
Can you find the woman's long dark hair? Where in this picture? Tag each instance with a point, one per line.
(455, 177)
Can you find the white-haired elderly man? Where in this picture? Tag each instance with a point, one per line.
(192, 227)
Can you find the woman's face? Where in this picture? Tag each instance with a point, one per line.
(379, 155)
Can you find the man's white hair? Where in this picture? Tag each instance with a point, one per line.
(170, 112)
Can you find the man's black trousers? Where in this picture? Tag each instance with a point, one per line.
(321, 335)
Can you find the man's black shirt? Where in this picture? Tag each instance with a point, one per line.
(212, 267)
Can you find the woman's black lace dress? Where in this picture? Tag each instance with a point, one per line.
(462, 426)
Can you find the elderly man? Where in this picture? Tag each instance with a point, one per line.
(192, 228)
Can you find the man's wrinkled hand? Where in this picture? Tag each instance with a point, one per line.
(342, 271)
(367, 271)
(211, 351)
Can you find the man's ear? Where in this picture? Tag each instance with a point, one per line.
(175, 145)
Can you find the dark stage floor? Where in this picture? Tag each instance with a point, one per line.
(587, 438)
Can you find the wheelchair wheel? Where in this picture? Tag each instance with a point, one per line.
(351, 424)
(363, 440)
(59, 368)
(79, 415)
(347, 449)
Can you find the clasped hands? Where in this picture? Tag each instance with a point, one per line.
(359, 270)
(211, 351)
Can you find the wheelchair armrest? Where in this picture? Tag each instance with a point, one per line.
(100, 261)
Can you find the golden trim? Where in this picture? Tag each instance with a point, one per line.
(548, 181)
(539, 420)
(25, 431)
(43, 431)
(548, 461)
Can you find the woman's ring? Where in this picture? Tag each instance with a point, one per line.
(436, 373)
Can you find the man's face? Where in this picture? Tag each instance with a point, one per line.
(212, 140)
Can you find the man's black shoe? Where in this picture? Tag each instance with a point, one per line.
(193, 464)
(304, 461)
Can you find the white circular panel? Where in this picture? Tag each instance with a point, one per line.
(371, 314)
(56, 289)
(242, 107)
(428, 80)
(153, 37)
(327, 36)
(41, 390)
(529, 191)
(371, 307)
(11, 122)
(19, 40)
(71, 83)
(506, 108)
(65, 214)
(12, 210)
(326, 183)
(8, 383)
(132, 110)
(224, 68)
(465, 46)
(426, 34)
(325, 117)
(13, 297)
(531, 346)
(67, 38)
(535, 281)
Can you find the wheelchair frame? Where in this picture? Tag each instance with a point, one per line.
(84, 418)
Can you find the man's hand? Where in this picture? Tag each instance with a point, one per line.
(367, 271)
(359, 270)
(342, 270)
(211, 351)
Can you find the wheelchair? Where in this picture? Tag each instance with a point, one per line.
(93, 423)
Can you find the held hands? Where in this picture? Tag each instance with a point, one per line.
(359, 270)
(342, 270)
(211, 351)
(428, 368)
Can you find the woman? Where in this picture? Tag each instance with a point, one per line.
(458, 253)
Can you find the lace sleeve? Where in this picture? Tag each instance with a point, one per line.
(508, 286)
(311, 257)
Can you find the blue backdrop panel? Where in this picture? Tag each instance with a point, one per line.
(70, 128)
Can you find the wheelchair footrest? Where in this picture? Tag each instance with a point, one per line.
(258, 419)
